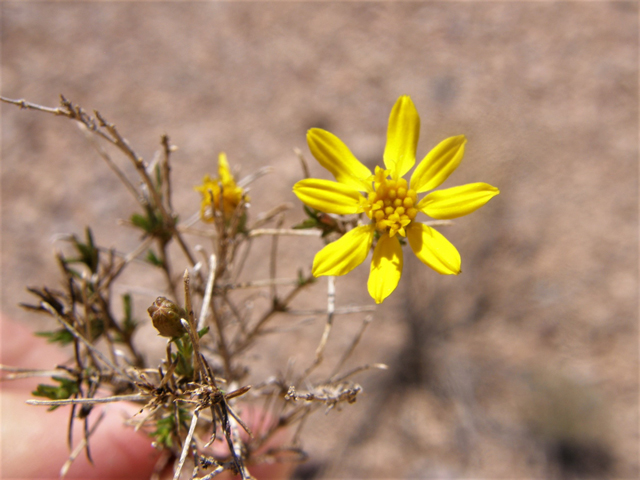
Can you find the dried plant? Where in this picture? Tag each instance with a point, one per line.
(197, 394)
(192, 404)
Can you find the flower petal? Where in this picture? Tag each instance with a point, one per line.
(344, 254)
(328, 196)
(402, 137)
(386, 268)
(439, 163)
(433, 249)
(223, 170)
(336, 157)
(457, 201)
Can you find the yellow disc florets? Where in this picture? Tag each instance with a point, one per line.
(392, 203)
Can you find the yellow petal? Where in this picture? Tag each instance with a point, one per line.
(402, 137)
(457, 201)
(328, 196)
(207, 184)
(433, 249)
(223, 170)
(344, 254)
(386, 268)
(439, 163)
(336, 157)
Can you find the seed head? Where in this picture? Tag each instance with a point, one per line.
(166, 316)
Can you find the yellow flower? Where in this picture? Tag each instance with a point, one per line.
(389, 201)
(232, 194)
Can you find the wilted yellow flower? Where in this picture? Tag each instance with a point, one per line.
(232, 194)
(390, 201)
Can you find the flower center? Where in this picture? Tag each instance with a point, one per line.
(392, 204)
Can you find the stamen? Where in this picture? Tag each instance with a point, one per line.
(392, 205)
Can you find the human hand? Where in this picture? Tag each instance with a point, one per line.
(34, 441)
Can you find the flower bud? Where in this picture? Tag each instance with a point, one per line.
(166, 316)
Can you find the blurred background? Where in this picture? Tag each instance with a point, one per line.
(523, 366)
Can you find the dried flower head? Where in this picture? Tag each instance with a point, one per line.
(166, 316)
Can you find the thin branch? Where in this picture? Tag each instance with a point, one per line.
(161, 463)
(222, 342)
(236, 442)
(337, 311)
(32, 106)
(254, 176)
(128, 258)
(89, 401)
(354, 344)
(362, 368)
(331, 306)
(208, 291)
(184, 247)
(88, 344)
(190, 326)
(267, 216)
(111, 164)
(290, 328)
(280, 307)
(166, 267)
(245, 254)
(284, 231)
(20, 373)
(438, 223)
(167, 148)
(329, 395)
(187, 445)
(261, 283)
(234, 310)
(81, 446)
(273, 259)
(303, 163)
(186, 225)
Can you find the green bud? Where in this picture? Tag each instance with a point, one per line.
(166, 316)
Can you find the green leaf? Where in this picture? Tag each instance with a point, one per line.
(158, 178)
(153, 259)
(97, 327)
(88, 253)
(308, 223)
(127, 307)
(312, 212)
(166, 427)
(62, 336)
(152, 223)
(66, 389)
(129, 324)
(140, 221)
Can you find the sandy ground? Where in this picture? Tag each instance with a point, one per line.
(524, 366)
